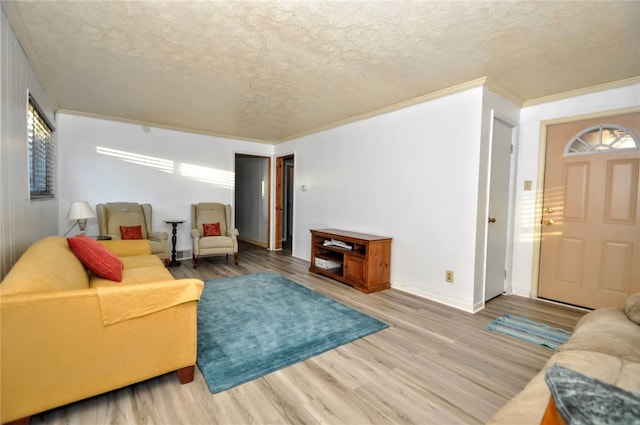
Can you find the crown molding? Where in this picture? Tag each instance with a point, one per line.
(162, 126)
(582, 91)
(502, 91)
(480, 82)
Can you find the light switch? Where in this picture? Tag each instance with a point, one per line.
(527, 185)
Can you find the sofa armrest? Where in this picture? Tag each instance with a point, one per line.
(126, 248)
(233, 233)
(195, 233)
(120, 303)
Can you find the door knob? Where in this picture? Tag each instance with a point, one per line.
(549, 222)
(492, 220)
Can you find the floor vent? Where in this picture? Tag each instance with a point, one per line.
(184, 254)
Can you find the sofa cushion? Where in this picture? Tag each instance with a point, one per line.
(148, 274)
(96, 257)
(606, 330)
(632, 307)
(137, 261)
(48, 265)
(128, 248)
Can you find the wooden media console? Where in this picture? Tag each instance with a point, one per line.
(360, 260)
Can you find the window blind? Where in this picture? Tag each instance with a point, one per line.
(41, 153)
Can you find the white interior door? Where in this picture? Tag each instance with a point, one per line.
(501, 152)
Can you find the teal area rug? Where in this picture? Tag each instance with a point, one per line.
(249, 326)
(528, 330)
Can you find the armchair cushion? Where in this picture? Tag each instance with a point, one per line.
(96, 258)
(216, 242)
(131, 232)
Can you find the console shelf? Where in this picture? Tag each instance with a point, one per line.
(366, 266)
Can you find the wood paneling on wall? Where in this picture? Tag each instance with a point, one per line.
(22, 221)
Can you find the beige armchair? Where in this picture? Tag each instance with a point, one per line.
(215, 216)
(115, 214)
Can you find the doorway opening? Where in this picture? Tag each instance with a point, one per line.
(284, 199)
(252, 194)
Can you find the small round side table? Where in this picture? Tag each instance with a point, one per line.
(174, 226)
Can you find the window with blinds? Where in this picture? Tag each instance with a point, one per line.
(41, 153)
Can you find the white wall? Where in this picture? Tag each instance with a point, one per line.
(110, 161)
(531, 138)
(412, 175)
(22, 221)
(420, 175)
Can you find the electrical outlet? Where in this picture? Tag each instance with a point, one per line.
(449, 276)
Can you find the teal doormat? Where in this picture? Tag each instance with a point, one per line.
(252, 325)
(528, 330)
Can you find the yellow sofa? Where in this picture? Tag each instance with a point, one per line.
(67, 335)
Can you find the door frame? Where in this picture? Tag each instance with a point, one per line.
(268, 187)
(542, 155)
(278, 200)
(511, 204)
(513, 164)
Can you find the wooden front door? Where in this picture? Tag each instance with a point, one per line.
(590, 246)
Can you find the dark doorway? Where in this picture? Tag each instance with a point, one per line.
(252, 183)
(284, 203)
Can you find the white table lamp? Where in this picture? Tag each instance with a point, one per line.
(80, 211)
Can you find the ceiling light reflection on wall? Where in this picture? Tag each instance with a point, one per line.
(160, 164)
(224, 179)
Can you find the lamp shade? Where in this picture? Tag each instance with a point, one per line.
(80, 210)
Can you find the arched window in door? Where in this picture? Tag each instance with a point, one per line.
(601, 139)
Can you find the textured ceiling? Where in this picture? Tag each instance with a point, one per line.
(269, 70)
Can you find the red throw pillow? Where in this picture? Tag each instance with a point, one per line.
(211, 229)
(131, 232)
(96, 257)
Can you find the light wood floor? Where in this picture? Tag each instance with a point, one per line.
(433, 365)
